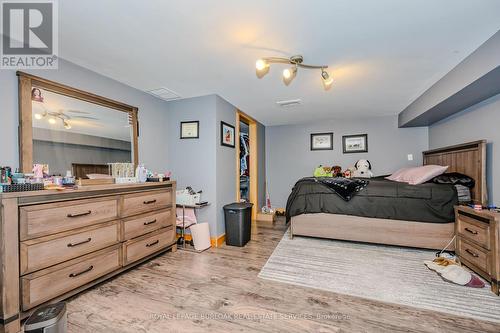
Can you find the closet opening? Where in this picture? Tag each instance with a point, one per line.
(246, 161)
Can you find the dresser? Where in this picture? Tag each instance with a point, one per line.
(478, 242)
(56, 244)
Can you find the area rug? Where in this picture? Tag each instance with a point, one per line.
(377, 272)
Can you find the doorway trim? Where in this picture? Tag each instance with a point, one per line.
(254, 159)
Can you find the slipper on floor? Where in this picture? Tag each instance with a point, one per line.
(475, 282)
(456, 274)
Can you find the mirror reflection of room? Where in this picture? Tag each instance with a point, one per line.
(78, 137)
(244, 161)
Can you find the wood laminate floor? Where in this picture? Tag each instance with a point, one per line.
(219, 291)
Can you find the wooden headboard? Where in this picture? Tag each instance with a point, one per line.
(467, 158)
(81, 170)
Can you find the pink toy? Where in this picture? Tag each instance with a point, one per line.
(38, 170)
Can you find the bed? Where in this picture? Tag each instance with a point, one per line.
(393, 213)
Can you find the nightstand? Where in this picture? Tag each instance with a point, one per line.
(478, 242)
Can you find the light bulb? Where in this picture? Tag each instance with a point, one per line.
(261, 64)
(52, 121)
(289, 74)
(262, 68)
(38, 116)
(327, 79)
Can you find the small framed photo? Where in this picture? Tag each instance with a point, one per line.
(227, 133)
(355, 143)
(190, 129)
(322, 141)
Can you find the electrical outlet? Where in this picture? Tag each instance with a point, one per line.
(410, 157)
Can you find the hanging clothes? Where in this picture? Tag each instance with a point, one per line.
(244, 154)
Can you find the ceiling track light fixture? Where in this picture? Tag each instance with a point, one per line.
(262, 67)
(53, 117)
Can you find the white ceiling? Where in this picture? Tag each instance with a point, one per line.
(383, 54)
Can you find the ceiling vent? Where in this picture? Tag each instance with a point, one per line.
(289, 103)
(164, 93)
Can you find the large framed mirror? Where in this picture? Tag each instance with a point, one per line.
(68, 129)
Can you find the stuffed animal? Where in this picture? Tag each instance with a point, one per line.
(348, 173)
(337, 171)
(322, 171)
(363, 169)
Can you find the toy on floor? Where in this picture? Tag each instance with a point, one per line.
(363, 169)
(280, 212)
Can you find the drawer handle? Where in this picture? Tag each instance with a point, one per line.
(471, 253)
(153, 244)
(150, 222)
(82, 272)
(79, 243)
(149, 202)
(474, 232)
(81, 214)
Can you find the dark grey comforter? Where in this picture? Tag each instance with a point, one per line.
(382, 198)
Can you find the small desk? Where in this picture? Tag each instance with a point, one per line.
(183, 228)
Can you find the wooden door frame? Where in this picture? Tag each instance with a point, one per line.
(254, 172)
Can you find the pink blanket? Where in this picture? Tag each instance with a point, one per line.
(189, 217)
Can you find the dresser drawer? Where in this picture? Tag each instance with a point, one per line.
(141, 247)
(474, 254)
(138, 226)
(50, 250)
(47, 219)
(145, 202)
(44, 285)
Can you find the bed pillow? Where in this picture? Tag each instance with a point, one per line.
(396, 176)
(418, 175)
(454, 178)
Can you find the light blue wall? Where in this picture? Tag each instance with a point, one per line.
(289, 158)
(193, 161)
(152, 111)
(204, 163)
(480, 121)
(226, 163)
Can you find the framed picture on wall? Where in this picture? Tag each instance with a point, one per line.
(190, 129)
(227, 133)
(322, 141)
(355, 143)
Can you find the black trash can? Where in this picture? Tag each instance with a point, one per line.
(238, 218)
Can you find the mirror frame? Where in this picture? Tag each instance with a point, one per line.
(27, 82)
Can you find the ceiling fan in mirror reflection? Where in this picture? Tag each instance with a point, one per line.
(63, 115)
